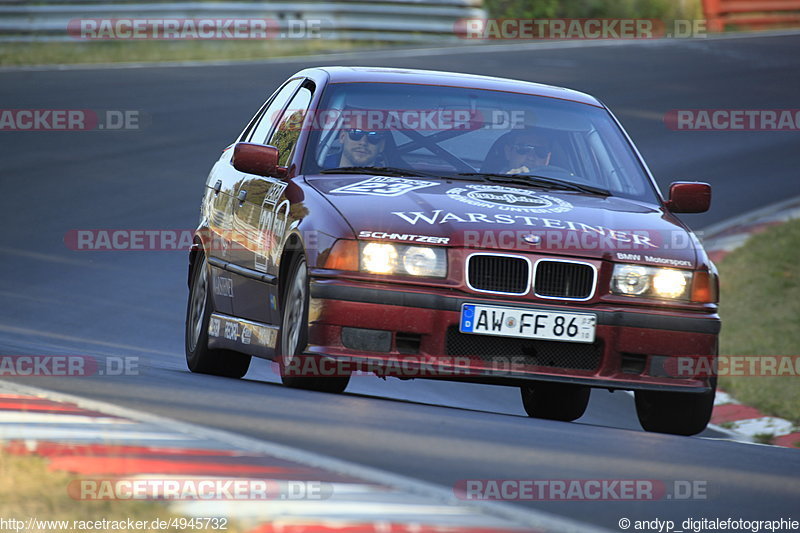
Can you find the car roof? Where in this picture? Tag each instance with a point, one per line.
(340, 74)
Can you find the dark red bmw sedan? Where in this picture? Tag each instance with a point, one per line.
(419, 224)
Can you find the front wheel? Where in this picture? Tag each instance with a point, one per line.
(555, 401)
(678, 413)
(199, 358)
(297, 369)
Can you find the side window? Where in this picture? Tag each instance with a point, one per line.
(270, 116)
(285, 136)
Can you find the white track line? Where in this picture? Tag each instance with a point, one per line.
(33, 417)
(752, 216)
(97, 433)
(433, 493)
(722, 398)
(765, 425)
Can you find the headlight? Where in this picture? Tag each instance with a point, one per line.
(630, 279)
(384, 258)
(651, 282)
(379, 258)
(671, 283)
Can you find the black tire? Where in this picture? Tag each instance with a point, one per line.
(555, 401)
(678, 413)
(294, 337)
(199, 358)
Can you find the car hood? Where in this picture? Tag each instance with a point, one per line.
(485, 215)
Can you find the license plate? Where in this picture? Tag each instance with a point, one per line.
(527, 323)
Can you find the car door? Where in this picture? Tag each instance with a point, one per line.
(218, 212)
(224, 185)
(261, 215)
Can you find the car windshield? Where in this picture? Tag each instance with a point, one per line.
(408, 129)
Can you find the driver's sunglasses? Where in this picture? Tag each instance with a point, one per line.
(373, 137)
(528, 149)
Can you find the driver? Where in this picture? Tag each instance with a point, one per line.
(527, 150)
(360, 148)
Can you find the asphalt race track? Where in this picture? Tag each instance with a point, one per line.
(126, 303)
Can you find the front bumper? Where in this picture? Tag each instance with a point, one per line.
(634, 348)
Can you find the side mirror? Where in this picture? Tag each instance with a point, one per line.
(257, 159)
(689, 197)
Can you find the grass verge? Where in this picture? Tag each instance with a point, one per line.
(29, 490)
(665, 10)
(760, 309)
(18, 54)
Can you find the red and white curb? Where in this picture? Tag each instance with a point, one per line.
(742, 422)
(721, 239)
(752, 424)
(99, 441)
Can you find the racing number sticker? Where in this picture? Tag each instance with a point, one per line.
(271, 225)
(384, 186)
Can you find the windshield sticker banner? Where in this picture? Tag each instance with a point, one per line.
(384, 186)
(509, 199)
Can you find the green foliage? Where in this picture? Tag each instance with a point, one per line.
(134, 51)
(763, 438)
(286, 135)
(522, 8)
(666, 10)
(760, 310)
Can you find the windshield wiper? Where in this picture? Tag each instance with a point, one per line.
(387, 171)
(542, 181)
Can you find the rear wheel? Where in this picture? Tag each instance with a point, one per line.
(297, 369)
(678, 413)
(555, 401)
(199, 358)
